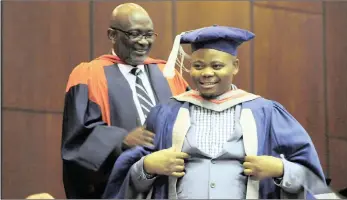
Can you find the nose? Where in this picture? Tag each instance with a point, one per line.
(143, 41)
(207, 72)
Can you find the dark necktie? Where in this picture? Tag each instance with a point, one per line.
(144, 99)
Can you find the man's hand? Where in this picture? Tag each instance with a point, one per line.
(139, 137)
(165, 162)
(261, 167)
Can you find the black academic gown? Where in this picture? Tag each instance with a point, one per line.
(99, 112)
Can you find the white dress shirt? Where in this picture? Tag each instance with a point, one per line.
(125, 69)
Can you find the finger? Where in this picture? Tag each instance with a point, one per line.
(182, 155)
(248, 165)
(178, 174)
(147, 144)
(179, 168)
(172, 148)
(149, 139)
(250, 158)
(148, 133)
(179, 161)
(248, 172)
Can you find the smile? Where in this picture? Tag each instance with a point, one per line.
(141, 52)
(207, 85)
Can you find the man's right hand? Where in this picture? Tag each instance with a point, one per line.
(165, 162)
(139, 137)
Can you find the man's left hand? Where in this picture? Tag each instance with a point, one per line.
(261, 167)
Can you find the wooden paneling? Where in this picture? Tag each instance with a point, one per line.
(338, 167)
(160, 12)
(46, 40)
(42, 42)
(298, 6)
(194, 14)
(288, 67)
(336, 61)
(31, 161)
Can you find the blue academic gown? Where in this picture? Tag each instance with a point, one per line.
(278, 133)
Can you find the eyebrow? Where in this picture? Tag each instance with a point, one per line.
(213, 61)
(217, 61)
(139, 30)
(196, 61)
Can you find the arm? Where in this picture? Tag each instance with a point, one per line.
(87, 140)
(293, 177)
(141, 180)
(291, 140)
(121, 184)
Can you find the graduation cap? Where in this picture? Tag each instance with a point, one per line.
(221, 38)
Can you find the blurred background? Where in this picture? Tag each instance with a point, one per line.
(298, 58)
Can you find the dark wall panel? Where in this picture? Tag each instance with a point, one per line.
(288, 67)
(31, 161)
(42, 42)
(298, 6)
(336, 67)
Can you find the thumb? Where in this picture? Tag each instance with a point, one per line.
(172, 148)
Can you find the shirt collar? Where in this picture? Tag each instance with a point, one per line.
(127, 68)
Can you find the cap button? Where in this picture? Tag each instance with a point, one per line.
(215, 25)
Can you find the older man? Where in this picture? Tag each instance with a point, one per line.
(107, 101)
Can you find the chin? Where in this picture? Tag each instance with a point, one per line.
(210, 94)
(207, 95)
(136, 61)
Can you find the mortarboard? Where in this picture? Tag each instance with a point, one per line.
(221, 38)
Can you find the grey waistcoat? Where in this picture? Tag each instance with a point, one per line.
(209, 177)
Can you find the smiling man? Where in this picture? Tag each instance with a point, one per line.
(107, 101)
(219, 142)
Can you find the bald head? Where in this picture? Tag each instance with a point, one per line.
(131, 32)
(124, 14)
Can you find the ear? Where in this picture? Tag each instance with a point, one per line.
(236, 64)
(111, 34)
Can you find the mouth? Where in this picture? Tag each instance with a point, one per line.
(207, 85)
(141, 52)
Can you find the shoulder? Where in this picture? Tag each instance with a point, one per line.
(164, 110)
(168, 106)
(262, 104)
(86, 71)
(162, 114)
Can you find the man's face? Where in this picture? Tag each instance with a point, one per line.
(212, 71)
(134, 39)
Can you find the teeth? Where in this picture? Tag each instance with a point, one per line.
(208, 83)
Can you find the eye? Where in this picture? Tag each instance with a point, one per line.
(197, 65)
(149, 34)
(217, 66)
(134, 34)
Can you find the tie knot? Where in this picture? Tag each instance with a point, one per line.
(135, 71)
